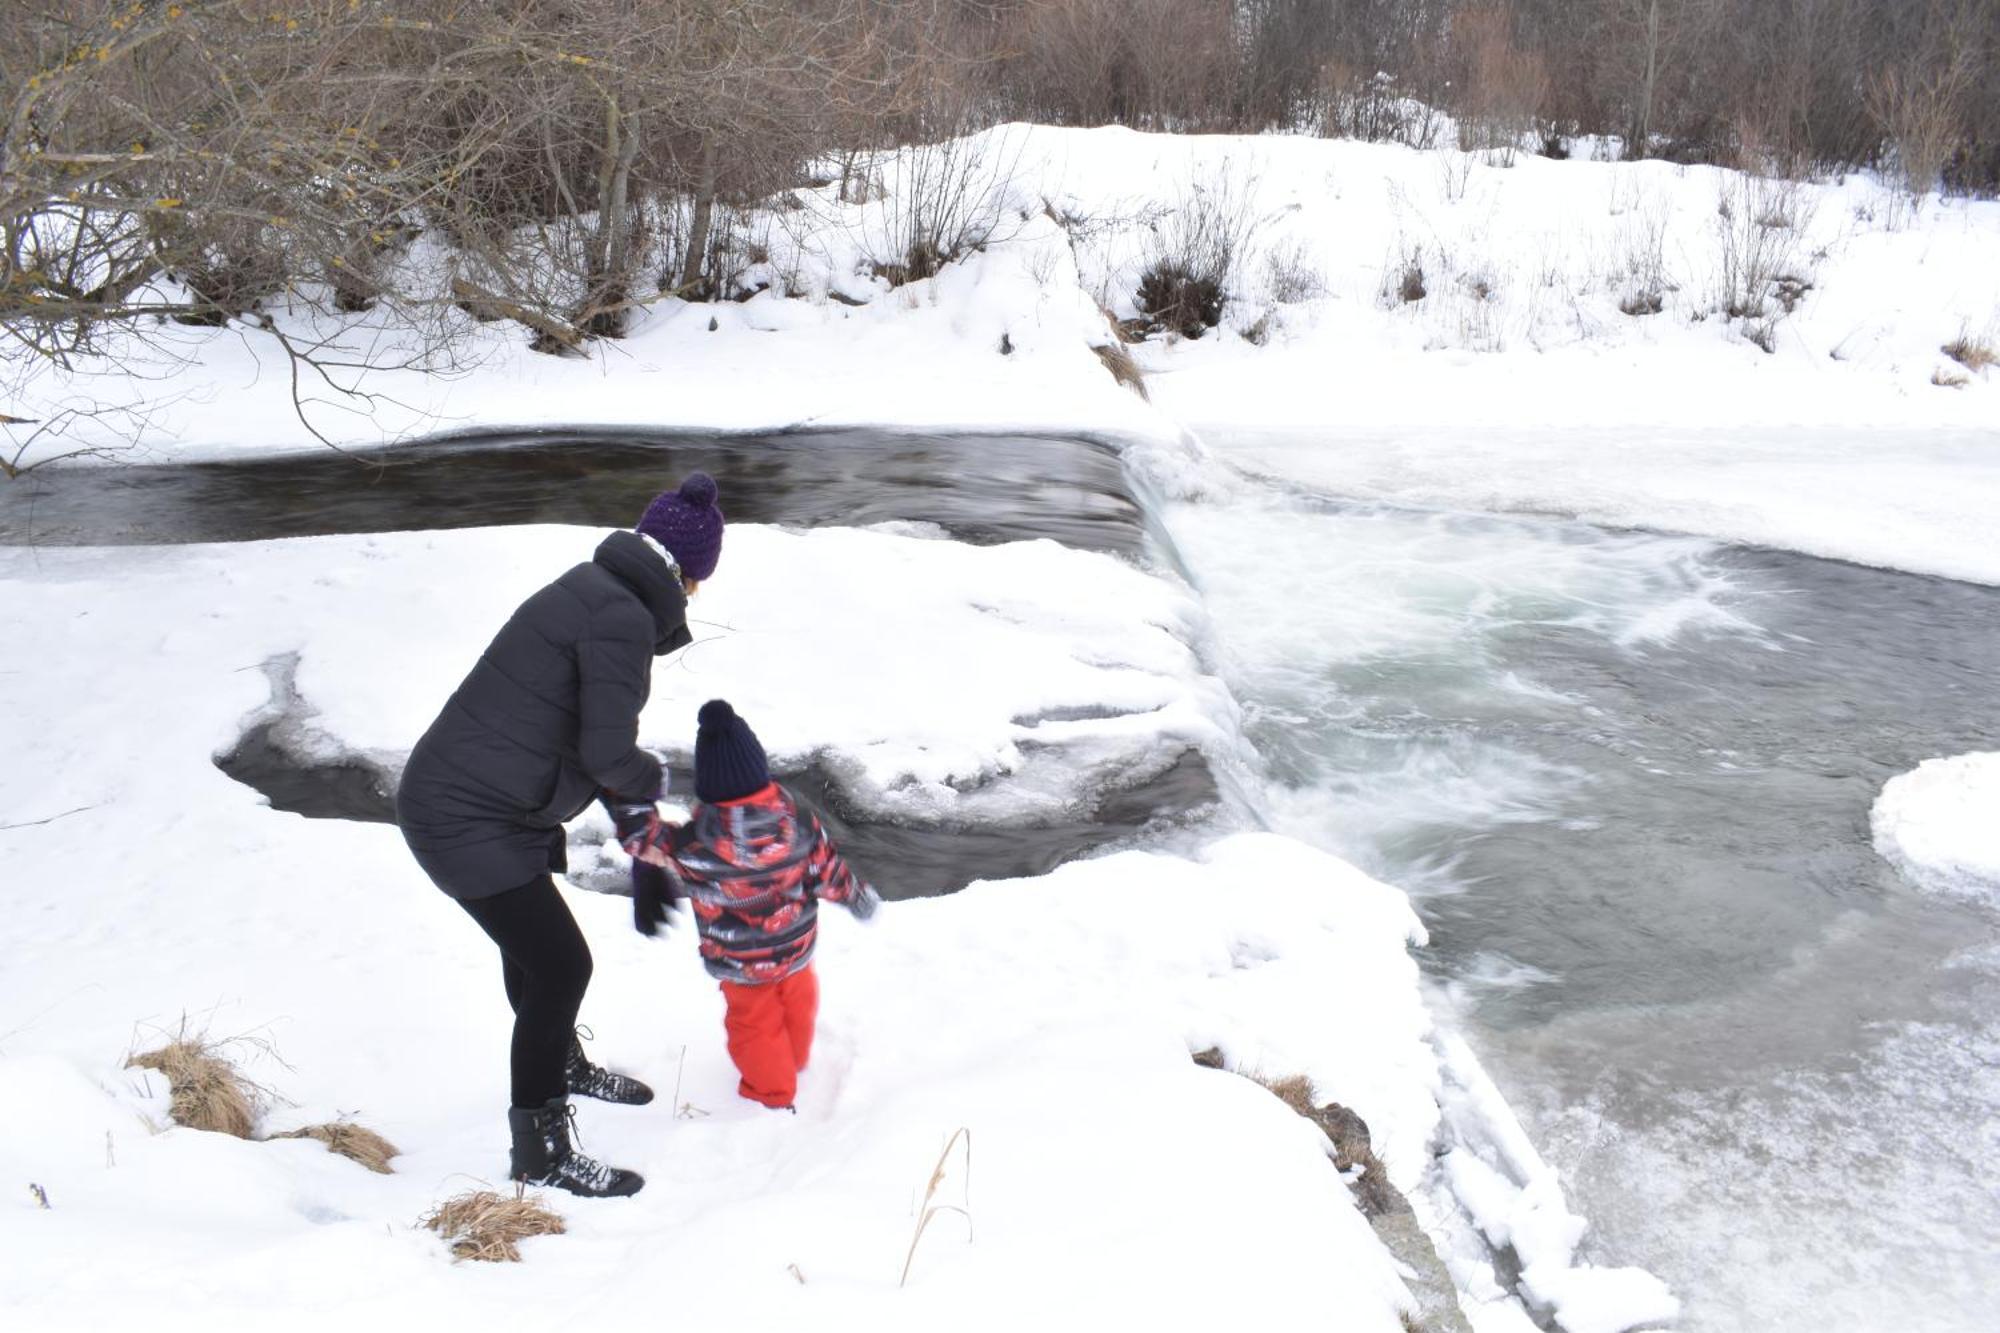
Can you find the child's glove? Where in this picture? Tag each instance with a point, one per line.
(654, 897)
(863, 902)
(641, 831)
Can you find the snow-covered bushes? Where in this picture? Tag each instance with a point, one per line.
(939, 202)
(1195, 250)
(1761, 273)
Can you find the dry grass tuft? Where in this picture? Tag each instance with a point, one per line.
(929, 1210)
(488, 1226)
(208, 1092)
(1294, 1090)
(357, 1143)
(1122, 367)
(1971, 353)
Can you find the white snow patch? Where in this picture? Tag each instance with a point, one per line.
(1939, 825)
(1911, 497)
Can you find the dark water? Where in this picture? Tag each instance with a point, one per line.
(980, 489)
(902, 861)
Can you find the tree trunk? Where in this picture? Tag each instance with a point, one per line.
(611, 247)
(695, 260)
(1643, 130)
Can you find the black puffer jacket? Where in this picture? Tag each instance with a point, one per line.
(548, 717)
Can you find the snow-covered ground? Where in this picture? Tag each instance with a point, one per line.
(1053, 1018)
(1939, 825)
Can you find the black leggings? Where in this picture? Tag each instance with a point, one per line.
(546, 967)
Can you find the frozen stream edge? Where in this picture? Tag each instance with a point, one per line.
(1492, 1207)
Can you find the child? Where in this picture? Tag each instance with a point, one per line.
(754, 864)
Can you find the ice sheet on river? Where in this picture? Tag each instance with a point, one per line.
(1939, 825)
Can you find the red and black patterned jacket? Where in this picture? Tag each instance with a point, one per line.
(754, 869)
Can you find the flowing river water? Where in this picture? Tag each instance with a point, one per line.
(1626, 778)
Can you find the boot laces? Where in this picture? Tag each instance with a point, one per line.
(585, 1170)
(590, 1079)
(588, 1172)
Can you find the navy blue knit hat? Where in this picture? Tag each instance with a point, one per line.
(729, 764)
(688, 523)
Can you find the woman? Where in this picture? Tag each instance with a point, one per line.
(546, 723)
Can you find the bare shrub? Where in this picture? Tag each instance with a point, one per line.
(1919, 111)
(1972, 353)
(210, 152)
(1195, 250)
(1644, 282)
(227, 271)
(943, 201)
(1374, 108)
(208, 1092)
(355, 1142)
(490, 1227)
(1169, 65)
(1178, 299)
(1454, 173)
(1759, 222)
(1501, 87)
(1403, 279)
(1291, 276)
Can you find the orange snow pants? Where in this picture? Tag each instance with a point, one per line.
(770, 1031)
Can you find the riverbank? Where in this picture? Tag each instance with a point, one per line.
(1053, 1018)
(1517, 382)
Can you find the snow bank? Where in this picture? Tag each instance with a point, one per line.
(1112, 1181)
(1836, 441)
(1000, 340)
(1939, 825)
(1516, 1201)
(935, 680)
(1110, 1178)
(1915, 499)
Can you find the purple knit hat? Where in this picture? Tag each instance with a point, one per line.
(688, 523)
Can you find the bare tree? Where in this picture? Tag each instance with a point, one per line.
(1501, 87)
(1919, 105)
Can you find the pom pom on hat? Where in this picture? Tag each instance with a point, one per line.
(698, 490)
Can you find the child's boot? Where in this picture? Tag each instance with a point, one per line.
(543, 1155)
(593, 1080)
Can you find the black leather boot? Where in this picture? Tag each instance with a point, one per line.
(543, 1155)
(590, 1080)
